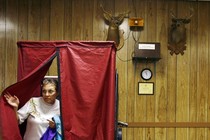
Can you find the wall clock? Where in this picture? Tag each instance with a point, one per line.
(146, 74)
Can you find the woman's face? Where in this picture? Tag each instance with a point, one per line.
(49, 93)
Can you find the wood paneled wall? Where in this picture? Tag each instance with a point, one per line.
(182, 82)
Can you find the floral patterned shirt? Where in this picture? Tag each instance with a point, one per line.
(37, 112)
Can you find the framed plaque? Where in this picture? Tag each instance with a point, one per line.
(145, 88)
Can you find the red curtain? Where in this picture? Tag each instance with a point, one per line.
(87, 84)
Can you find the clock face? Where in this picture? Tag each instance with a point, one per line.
(146, 74)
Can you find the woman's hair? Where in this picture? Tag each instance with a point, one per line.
(50, 81)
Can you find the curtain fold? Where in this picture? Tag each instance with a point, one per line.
(88, 91)
(29, 76)
(87, 76)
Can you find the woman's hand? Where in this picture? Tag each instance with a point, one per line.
(12, 100)
(51, 123)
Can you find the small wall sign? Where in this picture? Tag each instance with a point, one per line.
(146, 88)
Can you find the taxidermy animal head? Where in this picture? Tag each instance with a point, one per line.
(177, 34)
(114, 22)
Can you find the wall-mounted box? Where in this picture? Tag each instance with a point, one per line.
(136, 22)
(147, 51)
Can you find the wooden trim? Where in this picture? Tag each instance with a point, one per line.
(169, 124)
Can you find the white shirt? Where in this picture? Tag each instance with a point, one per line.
(37, 111)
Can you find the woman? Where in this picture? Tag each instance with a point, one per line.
(38, 110)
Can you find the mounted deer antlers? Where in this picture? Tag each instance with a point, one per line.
(177, 33)
(114, 22)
